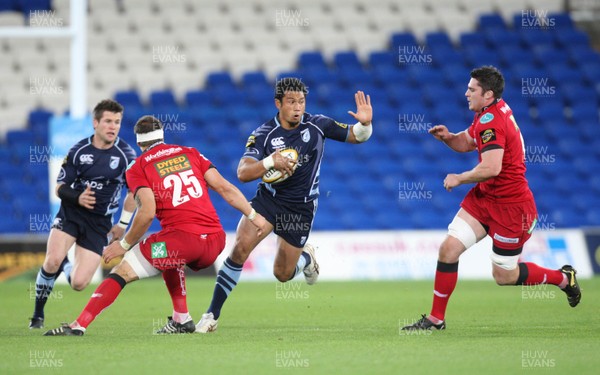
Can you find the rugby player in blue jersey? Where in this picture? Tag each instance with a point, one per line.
(289, 206)
(89, 185)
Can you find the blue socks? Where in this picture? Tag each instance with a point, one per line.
(227, 279)
(303, 261)
(44, 284)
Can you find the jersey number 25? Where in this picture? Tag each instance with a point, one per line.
(178, 182)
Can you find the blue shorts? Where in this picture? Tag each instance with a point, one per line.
(291, 221)
(90, 230)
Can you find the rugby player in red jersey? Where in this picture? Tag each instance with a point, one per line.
(500, 205)
(170, 182)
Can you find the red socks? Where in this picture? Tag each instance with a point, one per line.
(532, 274)
(446, 276)
(102, 297)
(175, 281)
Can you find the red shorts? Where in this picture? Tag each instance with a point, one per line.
(510, 224)
(172, 248)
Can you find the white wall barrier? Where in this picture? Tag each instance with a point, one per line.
(412, 255)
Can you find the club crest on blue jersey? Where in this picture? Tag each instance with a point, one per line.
(114, 162)
(305, 135)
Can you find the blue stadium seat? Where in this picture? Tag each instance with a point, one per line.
(290, 74)
(572, 37)
(378, 59)
(346, 59)
(255, 80)
(403, 39)
(562, 21)
(537, 37)
(129, 98)
(163, 99)
(503, 38)
(491, 21)
(389, 76)
(28, 6)
(560, 73)
(259, 95)
(478, 56)
(197, 98)
(470, 40)
(511, 53)
(546, 54)
(9, 5)
(591, 72)
(446, 55)
(311, 59)
(582, 54)
(438, 39)
(216, 80)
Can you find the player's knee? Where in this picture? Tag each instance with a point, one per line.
(281, 274)
(79, 284)
(51, 265)
(450, 250)
(502, 277)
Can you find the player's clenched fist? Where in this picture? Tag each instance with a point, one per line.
(283, 164)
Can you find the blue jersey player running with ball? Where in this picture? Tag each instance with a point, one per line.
(89, 185)
(295, 198)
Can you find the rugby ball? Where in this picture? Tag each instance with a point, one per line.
(273, 176)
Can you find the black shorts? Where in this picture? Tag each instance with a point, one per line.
(90, 230)
(291, 221)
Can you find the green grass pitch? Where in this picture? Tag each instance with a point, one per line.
(329, 328)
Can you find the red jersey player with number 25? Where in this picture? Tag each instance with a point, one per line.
(500, 205)
(170, 182)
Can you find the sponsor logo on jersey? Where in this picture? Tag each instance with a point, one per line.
(251, 141)
(86, 159)
(161, 153)
(305, 135)
(503, 239)
(341, 125)
(114, 162)
(278, 142)
(486, 118)
(172, 165)
(158, 250)
(487, 135)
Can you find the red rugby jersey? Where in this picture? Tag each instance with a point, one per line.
(496, 127)
(176, 176)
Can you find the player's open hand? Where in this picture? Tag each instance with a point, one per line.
(440, 132)
(451, 181)
(87, 198)
(283, 164)
(112, 251)
(261, 224)
(364, 111)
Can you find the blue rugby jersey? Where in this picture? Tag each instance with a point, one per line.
(308, 139)
(103, 170)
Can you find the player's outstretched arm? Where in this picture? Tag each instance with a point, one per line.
(235, 198)
(460, 142)
(361, 132)
(250, 169)
(146, 210)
